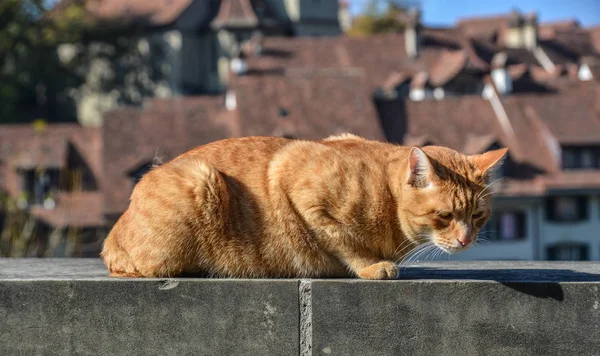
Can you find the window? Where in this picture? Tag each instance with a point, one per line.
(464, 84)
(581, 157)
(567, 208)
(39, 185)
(79, 176)
(587, 159)
(569, 158)
(568, 252)
(506, 226)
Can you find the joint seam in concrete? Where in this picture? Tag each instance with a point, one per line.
(305, 306)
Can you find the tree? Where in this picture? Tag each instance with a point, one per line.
(31, 76)
(380, 17)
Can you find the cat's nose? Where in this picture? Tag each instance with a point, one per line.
(464, 240)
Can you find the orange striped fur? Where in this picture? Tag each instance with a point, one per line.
(273, 207)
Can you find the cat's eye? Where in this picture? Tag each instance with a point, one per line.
(478, 215)
(446, 215)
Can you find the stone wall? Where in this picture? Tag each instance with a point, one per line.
(70, 307)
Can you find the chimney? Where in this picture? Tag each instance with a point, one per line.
(514, 33)
(584, 72)
(500, 76)
(230, 100)
(522, 31)
(418, 86)
(411, 33)
(530, 31)
(344, 16)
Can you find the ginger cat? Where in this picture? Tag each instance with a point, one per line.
(274, 207)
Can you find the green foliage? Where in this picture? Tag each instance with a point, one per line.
(373, 20)
(31, 76)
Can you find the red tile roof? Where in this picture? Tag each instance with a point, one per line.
(447, 67)
(569, 114)
(162, 129)
(153, 13)
(540, 123)
(85, 209)
(25, 147)
(302, 103)
(595, 37)
(281, 53)
(314, 87)
(585, 179)
(548, 30)
(351, 52)
(235, 13)
(307, 103)
(483, 27)
(451, 121)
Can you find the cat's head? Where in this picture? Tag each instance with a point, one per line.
(446, 196)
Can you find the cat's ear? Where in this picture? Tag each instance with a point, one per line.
(419, 168)
(489, 161)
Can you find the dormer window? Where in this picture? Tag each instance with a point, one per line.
(587, 158)
(79, 175)
(569, 159)
(40, 187)
(580, 158)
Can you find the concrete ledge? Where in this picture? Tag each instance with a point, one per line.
(70, 307)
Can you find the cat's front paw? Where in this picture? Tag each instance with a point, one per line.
(381, 270)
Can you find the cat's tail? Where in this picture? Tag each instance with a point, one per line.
(116, 259)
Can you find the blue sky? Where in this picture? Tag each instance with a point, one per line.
(446, 12)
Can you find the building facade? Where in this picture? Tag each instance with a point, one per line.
(241, 68)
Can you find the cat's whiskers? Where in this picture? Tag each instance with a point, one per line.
(433, 253)
(411, 257)
(403, 246)
(410, 244)
(430, 254)
(483, 236)
(482, 239)
(425, 256)
(420, 253)
(406, 258)
(486, 187)
(490, 193)
(439, 253)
